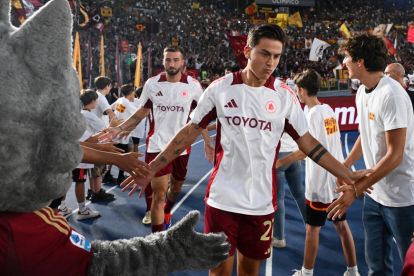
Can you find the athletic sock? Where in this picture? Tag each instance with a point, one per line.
(81, 206)
(157, 228)
(168, 206)
(352, 271)
(307, 272)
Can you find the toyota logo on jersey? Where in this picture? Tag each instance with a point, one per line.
(270, 107)
(184, 93)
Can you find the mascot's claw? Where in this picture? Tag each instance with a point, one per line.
(179, 248)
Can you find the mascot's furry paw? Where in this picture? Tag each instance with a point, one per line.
(179, 248)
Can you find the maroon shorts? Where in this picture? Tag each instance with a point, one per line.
(178, 167)
(251, 235)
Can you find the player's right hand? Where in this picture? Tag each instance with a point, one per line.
(108, 134)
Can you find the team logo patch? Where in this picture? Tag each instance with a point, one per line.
(184, 94)
(371, 116)
(270, 107)
(120, 108)
(80, 241)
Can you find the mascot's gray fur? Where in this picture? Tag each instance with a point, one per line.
(39, 131)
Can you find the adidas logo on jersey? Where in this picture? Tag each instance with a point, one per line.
(231, 104)
(159, 94)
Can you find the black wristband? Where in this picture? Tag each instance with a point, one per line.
(314, 150)
(319, 156)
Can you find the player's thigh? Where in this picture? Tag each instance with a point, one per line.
(255, 236)
(247, 266)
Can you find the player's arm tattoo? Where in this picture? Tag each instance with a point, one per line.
(317, 152)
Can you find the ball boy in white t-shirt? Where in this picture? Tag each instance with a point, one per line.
(320, 184)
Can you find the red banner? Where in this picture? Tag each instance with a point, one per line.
(237, 43)
(345, 111)
(410, 34)
(391, 49)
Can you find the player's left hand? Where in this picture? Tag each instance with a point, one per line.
(110, 147)
(209, 151)
(339, 207)
(134, 183)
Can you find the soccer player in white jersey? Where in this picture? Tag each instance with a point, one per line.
(386, 142)
(320, 184)
(168, 98)
(252, 111)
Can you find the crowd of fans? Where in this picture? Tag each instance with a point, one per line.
(200, 28)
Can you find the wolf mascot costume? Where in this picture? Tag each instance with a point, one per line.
(40, 125)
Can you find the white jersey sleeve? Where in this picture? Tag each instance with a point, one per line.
(196, 88)
(205, 111)
(393, 116)
(145, 95)
(295, 125)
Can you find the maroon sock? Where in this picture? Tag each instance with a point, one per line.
(148, 196)
(157, 228)
(168, 206)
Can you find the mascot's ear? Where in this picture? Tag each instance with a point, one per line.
(44, 41)
(5, 25)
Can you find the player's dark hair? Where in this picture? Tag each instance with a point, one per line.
(102, 82)
(87, 96)
(265, 31)
(309, 80)
(371, 49)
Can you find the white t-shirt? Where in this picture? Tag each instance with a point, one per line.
(84, 137)
(170, 104)
(139, 131)
(386, 108)
(287, 144)
(93, 123)
(123, 109)
(320, 184)
(101, 106)
(250, 122)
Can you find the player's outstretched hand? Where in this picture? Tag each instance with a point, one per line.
(130, 163)
(209, 152)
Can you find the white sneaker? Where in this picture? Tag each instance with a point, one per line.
(297, 272)
(87, 213)
(347, 273)
(147, 218)
(64, 211)
(278, 243)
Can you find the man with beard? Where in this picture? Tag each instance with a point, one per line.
(168, 99)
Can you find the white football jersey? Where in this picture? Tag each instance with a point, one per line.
(320, 184)
(386, 108)
(170, 104)
(250, 122)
